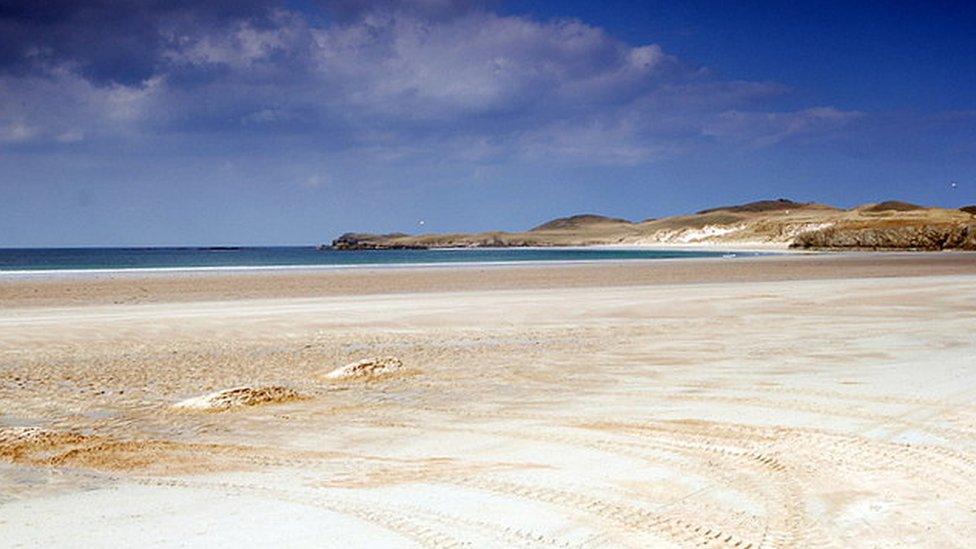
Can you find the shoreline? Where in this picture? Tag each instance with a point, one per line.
(271, 269)
(744, 247)
(40, 290)
(691, 249)
(729, 251)
(713, 251)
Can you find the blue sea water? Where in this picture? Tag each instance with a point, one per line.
(87, 259)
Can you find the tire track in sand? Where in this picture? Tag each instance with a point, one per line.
(426, 527)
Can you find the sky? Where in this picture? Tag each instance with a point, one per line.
(267, 122)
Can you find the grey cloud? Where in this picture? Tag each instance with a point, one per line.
(106, 41)
(393, 81)
(346, 10)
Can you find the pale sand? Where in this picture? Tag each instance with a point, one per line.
(796, 405)
(141, 287)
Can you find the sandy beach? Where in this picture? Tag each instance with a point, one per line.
(796, 401)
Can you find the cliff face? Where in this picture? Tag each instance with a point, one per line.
(895, 225)
(909, 237)
(890, 225)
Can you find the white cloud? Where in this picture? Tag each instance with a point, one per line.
(399, 65)
(769, 128)
(399, 84)
(240, 45)
(16, 131)
(314, 181)
(61, 106)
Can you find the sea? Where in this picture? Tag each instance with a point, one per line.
(38, 260)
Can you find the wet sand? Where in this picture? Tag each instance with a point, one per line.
(162, 286)
(774, 402)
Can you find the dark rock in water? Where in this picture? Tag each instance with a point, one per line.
(905, 237)
(367, 241)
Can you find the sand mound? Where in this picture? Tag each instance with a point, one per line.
(367, 368)
(13, 438)
(37, 447)
(237, 398)
(33, 444)
(19, 435)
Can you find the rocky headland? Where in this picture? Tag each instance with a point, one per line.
(889, 225)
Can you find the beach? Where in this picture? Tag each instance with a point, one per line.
(779, 401)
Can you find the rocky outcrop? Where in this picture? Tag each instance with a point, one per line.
(367, 241)
(885, 225)
(905, 237)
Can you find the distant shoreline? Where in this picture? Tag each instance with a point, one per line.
(271, 269)
(779, 224)
(130, 288)
(99, 260)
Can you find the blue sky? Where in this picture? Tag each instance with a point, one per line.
(275, 122)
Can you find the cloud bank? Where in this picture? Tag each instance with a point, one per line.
(387, 81)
